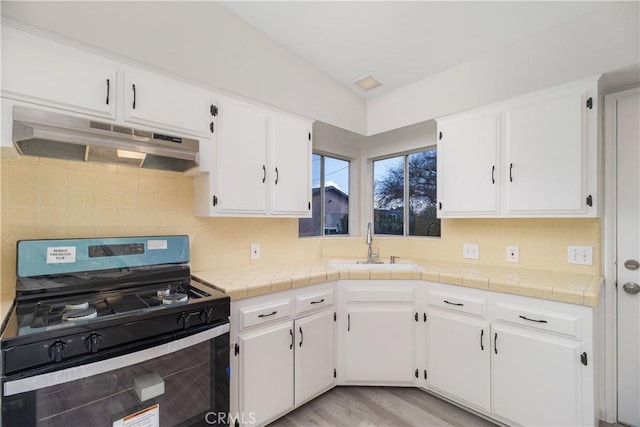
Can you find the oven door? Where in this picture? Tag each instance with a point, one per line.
(183, 382)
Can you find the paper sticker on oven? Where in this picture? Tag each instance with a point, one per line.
(156, 244)
(61, 255)
(149, 417)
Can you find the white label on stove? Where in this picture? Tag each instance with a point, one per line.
(61, 255)
(149, 417)
(156, 244)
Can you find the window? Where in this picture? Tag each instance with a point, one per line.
(407, 180)
(330, 212)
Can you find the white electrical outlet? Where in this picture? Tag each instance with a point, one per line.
(582, 255)
(255, 251)
(471, 251)
(513, 254)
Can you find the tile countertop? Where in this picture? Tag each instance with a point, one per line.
(249, 281)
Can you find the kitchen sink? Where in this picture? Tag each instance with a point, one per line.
(400, 265)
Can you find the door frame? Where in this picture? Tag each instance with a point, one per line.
(608, 395)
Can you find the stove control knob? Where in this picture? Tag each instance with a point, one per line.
(93, 342)
(56, 351)
(207, 315)
(183, 320)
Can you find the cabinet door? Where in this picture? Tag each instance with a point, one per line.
(314, 355)
(458, 358)
(536, 378)
(38, 70)
(165, 103)
(467, 166)
(546, 156)
(242, 158)
(379, 344)
(266, 373)
(291, 166)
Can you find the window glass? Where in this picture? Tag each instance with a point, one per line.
(336, 196)
(330, 203)
(388, 196)
(422, 194)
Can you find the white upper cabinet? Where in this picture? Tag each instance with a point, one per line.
(160, 102)
(534, 156)
(261, 166)
(545, 148)
(241, 159)
(467, 165)
(291, 164)
(38, 70)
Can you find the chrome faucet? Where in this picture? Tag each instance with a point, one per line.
(371, 257)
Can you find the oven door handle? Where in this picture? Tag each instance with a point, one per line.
(49, 379)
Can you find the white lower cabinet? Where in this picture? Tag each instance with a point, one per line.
(314, 355)
(266, 372)
(282, 359)
(458, 357)
(379, 344)
(536, 378)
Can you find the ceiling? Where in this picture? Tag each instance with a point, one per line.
(401, 42)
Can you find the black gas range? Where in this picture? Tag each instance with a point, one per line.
(91, 307)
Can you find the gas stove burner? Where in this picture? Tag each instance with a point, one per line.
(77, 306)
(163, 293)
(82, 314)
(174, 298)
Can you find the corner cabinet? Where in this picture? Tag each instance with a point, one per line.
(377, 333)
(260, 166)
(534, 156)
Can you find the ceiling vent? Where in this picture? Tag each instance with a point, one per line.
(367, 83)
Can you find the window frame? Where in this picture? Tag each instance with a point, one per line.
(405, 191)
(323, 155)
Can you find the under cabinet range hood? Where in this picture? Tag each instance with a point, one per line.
(47, 134)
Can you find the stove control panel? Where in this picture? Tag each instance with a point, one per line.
(93, 342)
(56, 351)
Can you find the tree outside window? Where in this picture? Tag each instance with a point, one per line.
(411, 178)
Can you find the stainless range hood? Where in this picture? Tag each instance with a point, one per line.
(46, 134)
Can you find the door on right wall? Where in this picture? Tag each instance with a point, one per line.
(627, 129)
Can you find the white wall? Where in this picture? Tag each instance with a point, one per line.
(605, 40)
(201, 42)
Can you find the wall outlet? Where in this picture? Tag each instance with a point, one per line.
(255, 251)
(582, 255)
(471, 251)
(513, 254)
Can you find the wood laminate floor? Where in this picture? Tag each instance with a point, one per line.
(379, 406)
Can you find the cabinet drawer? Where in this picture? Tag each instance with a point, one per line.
(459, 303)
(380, 294)
(260, 314)
(309, 302)
(560, 323)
